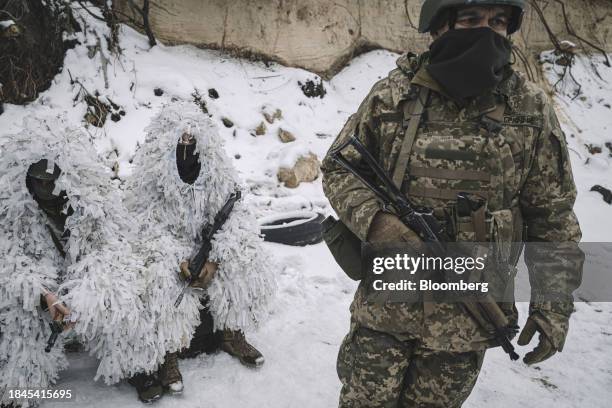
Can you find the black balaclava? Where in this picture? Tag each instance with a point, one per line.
(41, 188)
(187, 163)
(467, 62)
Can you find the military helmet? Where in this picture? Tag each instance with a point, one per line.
(431, 9)
(39, 171)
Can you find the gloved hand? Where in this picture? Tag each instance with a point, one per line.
(388, 227)
(206, 274)
(552, 328)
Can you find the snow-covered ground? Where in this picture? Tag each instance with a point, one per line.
(310, 316)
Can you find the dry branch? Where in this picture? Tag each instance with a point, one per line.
(144, 14)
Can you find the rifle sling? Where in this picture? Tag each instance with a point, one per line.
(413, 111)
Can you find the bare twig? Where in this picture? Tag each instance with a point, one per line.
(570, 31)
(91, 13)
(517, 51)
(104, 61)
(565, 54)
(144, 14)
(156, 5)
(551, 35)
(410, 23)
(129, 18)
(147, 26)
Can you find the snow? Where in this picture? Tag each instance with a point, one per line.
(587, 120)
(310, 317)
(6, 24)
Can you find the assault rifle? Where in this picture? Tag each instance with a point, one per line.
(57, 327)
(197, 263)
(422, 221)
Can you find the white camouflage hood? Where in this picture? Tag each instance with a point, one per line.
(164, 205)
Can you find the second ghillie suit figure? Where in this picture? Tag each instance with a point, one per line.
(64, 232)
(455, 122)
(181, 180)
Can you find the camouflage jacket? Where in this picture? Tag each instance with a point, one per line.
(524, 171)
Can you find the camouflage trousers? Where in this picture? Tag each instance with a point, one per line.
(379, 371)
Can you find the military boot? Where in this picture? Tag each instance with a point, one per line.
(235, 344)
(169, 374)
(147, 386)
(72, 344)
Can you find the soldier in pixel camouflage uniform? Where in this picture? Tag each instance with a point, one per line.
(408, 354)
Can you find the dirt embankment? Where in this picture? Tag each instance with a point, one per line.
(322, 36)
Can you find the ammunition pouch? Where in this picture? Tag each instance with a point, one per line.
(344, 246)
(502, 231)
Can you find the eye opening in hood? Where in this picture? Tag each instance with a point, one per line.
(187, 160)
(40, 183)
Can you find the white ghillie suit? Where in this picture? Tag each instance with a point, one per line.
(172, 213)
(99, 278)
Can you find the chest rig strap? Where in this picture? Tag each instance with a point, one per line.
(493, 120)
(412, 113)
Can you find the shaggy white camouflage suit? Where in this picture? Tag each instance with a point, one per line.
(99, 278)
(171, 215)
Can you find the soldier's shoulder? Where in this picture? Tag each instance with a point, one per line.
(525, 95)
(396, 84)
(378, 98)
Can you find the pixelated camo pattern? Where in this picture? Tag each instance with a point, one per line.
(528, 174)
(374, 366)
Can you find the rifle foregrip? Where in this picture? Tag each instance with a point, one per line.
(494, 312)
(198, 262)
(56, 329)
(507, 347)
(499, 320)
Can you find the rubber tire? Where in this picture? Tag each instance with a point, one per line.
(302, 228)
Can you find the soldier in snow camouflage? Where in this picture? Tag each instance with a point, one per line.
(408, 355)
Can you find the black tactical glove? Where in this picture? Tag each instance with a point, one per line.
(551, 321)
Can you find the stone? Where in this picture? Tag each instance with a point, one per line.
(305, 169)
(213, 94)
(261, 129)
(227, 122)
(9, 30)
(285, 136)
(271, 115)
(606, 193)
(568, 46)
(593, 149)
